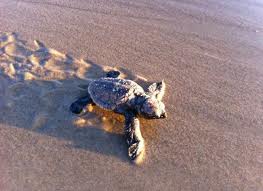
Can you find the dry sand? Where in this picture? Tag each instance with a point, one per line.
(208, 52)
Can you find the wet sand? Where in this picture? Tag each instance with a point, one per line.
(208, 52)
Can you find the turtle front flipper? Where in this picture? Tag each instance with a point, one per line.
(78, 106)
(134, 138)
(113, 74)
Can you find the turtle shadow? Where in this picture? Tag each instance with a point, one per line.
(51, 116)
(42, 105)
(90, 136)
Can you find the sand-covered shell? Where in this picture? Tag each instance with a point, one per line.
(108, 93)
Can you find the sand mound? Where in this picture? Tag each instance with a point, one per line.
(37, 85)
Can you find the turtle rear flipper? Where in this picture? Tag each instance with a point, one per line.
(113, 74)
(78, 106)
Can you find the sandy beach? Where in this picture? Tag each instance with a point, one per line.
(210, 54)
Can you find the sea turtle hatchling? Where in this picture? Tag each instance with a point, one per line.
(128, 98)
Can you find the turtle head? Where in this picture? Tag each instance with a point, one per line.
(153, 107)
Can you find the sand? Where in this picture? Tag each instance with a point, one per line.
(208, 52)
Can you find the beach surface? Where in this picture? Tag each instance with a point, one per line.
(210, 54)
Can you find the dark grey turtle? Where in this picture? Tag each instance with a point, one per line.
(128, 98)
